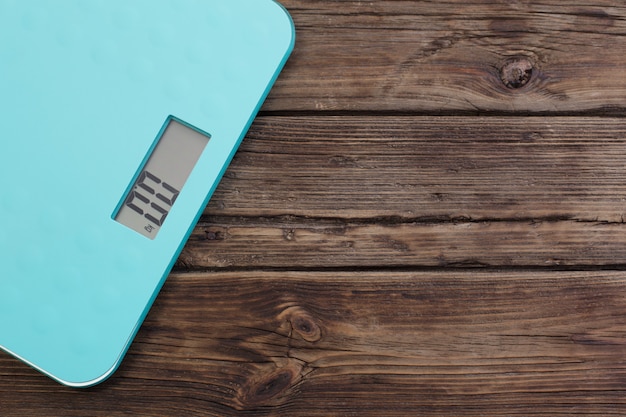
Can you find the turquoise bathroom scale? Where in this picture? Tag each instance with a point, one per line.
(117, 120)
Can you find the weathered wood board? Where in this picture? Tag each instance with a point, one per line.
(464, 343)
(448, 56)
(429, 168)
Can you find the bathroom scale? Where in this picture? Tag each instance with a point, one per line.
(117, 120)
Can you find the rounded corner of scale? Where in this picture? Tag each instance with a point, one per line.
(289, 20)
(87, 383)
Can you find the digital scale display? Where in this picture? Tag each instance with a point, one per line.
(161, 179)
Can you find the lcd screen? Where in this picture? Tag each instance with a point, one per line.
(161, 179)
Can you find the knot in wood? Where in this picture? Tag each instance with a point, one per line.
(269, 387)
(213, 235)
(516, 72)
(306, 328)
(289, 234)
(303, 324)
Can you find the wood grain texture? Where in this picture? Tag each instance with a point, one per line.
(441, 56)
(429, 168)
(338, 344)
(296, 243)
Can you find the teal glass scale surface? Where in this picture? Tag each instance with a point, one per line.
(117, 120)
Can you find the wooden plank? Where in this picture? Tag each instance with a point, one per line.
(425, 168)
(391, 343)
(314, 244)
(439, 56)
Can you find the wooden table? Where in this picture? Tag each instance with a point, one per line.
(427, 218)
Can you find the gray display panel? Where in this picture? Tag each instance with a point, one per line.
(161, 179)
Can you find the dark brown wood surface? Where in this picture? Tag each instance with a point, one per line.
(427, 218)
